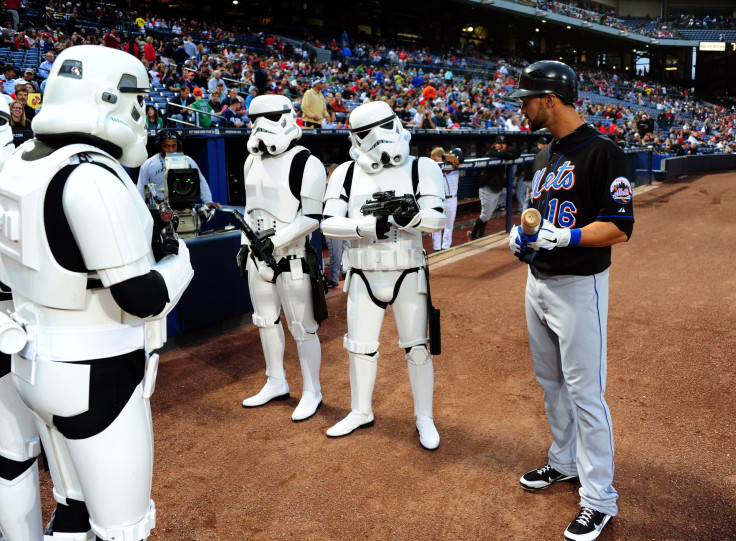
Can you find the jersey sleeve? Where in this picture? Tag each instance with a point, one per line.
(615, 190)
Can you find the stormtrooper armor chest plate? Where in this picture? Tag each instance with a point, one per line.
(269, 202)
(27, 262)
(403, 248)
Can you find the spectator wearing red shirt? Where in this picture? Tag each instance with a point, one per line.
(111, 39)
(429, 92)
(149, 51)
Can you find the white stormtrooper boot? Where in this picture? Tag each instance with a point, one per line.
(362, 379)
(421, 377)
(310, 359)
(276, 388)
(20, 507)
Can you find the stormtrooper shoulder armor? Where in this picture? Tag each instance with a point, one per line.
(106, 223)
(313, 187)
(336, 198)
(29, 266)
(431, 189)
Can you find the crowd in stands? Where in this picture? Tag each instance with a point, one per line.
(206, 74)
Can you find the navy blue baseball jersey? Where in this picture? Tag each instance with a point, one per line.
(577, 180)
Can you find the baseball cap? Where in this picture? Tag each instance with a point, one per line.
(233, 101)
(29, 70)
(318, 80)
(197, 91)
(544, 140)
(500, 139)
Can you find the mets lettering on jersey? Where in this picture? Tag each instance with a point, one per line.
(563, 179)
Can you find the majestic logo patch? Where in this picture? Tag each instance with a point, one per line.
(621, 190)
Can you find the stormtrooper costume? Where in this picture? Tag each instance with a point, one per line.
(88, 294)
(293, 207)
(20, 501)
(385, 267)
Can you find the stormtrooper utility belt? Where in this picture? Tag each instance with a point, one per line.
(69, 344)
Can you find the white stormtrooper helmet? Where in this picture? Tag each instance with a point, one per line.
(96, 93)
(6, 133)
(377, 136)
(274, 125)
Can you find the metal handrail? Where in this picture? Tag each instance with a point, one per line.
(194, 111)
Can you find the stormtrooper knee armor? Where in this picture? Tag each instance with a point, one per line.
(20, 501)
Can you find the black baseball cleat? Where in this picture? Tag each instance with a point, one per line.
(587, 526)
(543, 477)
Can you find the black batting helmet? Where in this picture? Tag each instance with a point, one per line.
(548, 77)
(458, 154)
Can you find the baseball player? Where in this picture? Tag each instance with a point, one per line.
(442, 240)
(581, 187)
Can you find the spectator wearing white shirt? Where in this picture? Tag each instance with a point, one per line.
(215, 80)
(45, 67)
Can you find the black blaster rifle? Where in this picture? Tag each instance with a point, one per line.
(387, 203)
(260, 244)
(164, 241)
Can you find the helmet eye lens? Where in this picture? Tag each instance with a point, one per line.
(273, 117)
(362, 134)
(71, 68)
(388, 125)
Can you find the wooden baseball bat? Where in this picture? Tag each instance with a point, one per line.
(530, 221)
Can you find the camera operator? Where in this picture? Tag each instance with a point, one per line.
(152, 170)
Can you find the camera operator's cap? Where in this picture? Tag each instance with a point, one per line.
(544, 140)
(501, 139)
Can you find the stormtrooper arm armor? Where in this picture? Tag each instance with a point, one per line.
(430, 192)
(336, 224)
(312, 193)
(299, 228)
(107, 222)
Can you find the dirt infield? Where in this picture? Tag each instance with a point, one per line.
(225, 473)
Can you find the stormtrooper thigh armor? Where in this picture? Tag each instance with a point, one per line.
(20, 501)
(59, 391)
(365, 318)
(292, 291)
